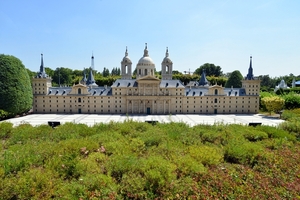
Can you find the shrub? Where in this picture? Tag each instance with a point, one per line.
(292, 101)
(273, 104)
(15, 87)
(255, 135)
(6, 129)
(206, 155)
(242, 152)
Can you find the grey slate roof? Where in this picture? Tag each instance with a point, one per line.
(234, 91)
(196, 91)
(125, 83)
(53, 91)
(202, 91)
(94, 91)
(171, 84)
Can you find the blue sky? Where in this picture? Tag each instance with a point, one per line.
(225, 33)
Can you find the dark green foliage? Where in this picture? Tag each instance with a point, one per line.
(210, 70)
(15, 86)
(234, 80)
(292, 101)
(136, 160)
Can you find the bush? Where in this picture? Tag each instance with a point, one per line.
(15, 87)
(273, 104)
(5, 130)
(292, 101)
(242, 152)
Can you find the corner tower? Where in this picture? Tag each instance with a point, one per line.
(126, 67)
(166, 67)
(250, 83)
(41, 82)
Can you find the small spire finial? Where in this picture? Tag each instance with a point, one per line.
(146, 51)
(167, 52)
(126, 52)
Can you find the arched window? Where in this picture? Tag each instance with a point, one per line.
(216, 100)
(79, 100)
(216, 91)
(79, 90)
(146, 72)
(167, 69)
(126, 69)
(140, 72)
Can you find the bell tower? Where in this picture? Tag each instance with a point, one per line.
(251, 85)
(41, 82)
(166, 67)
(126, 67)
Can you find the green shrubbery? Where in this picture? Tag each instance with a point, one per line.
(15, 87)
(134, 160)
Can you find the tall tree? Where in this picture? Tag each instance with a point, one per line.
(234, 80)
(105, 72)
(15, 87)
(62, 76)
(210, 70)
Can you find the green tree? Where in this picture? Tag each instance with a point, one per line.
(49, 71)
(273, 104)
(15, 87)
(234, 80)
(210, 70)
(62, 76)
(105, 72)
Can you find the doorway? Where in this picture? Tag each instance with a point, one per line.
(216, 111)
(148, 111)
(79, 110)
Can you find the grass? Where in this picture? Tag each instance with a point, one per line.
(135, 160)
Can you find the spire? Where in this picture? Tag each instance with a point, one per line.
(167, 52)
(250, 71)
(91, 81)
(42, 72)
(92, 61)
(42, 69)
(203, 81)
(146, 51)
(126, 52)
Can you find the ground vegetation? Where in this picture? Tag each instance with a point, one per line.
(137, 160)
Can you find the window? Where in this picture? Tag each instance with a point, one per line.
(79, 90)
(216, 100)
(79, 99)
(216, 92)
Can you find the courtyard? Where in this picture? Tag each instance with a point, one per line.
(191, 120)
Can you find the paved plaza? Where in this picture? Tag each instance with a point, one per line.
(192, 120)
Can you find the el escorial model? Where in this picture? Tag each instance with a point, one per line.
(146, 94)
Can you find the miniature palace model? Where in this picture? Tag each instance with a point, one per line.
(146, 94)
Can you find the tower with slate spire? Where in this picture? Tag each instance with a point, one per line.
(90, 80)
(126, 69)
(250, 83)
(166, 67)
(203, 81)
(41, 82)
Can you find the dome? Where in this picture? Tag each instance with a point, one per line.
(126, 59)
(146, 61)
(167, 60)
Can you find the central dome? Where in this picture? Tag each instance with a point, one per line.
(145, 66)
(146, 61)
